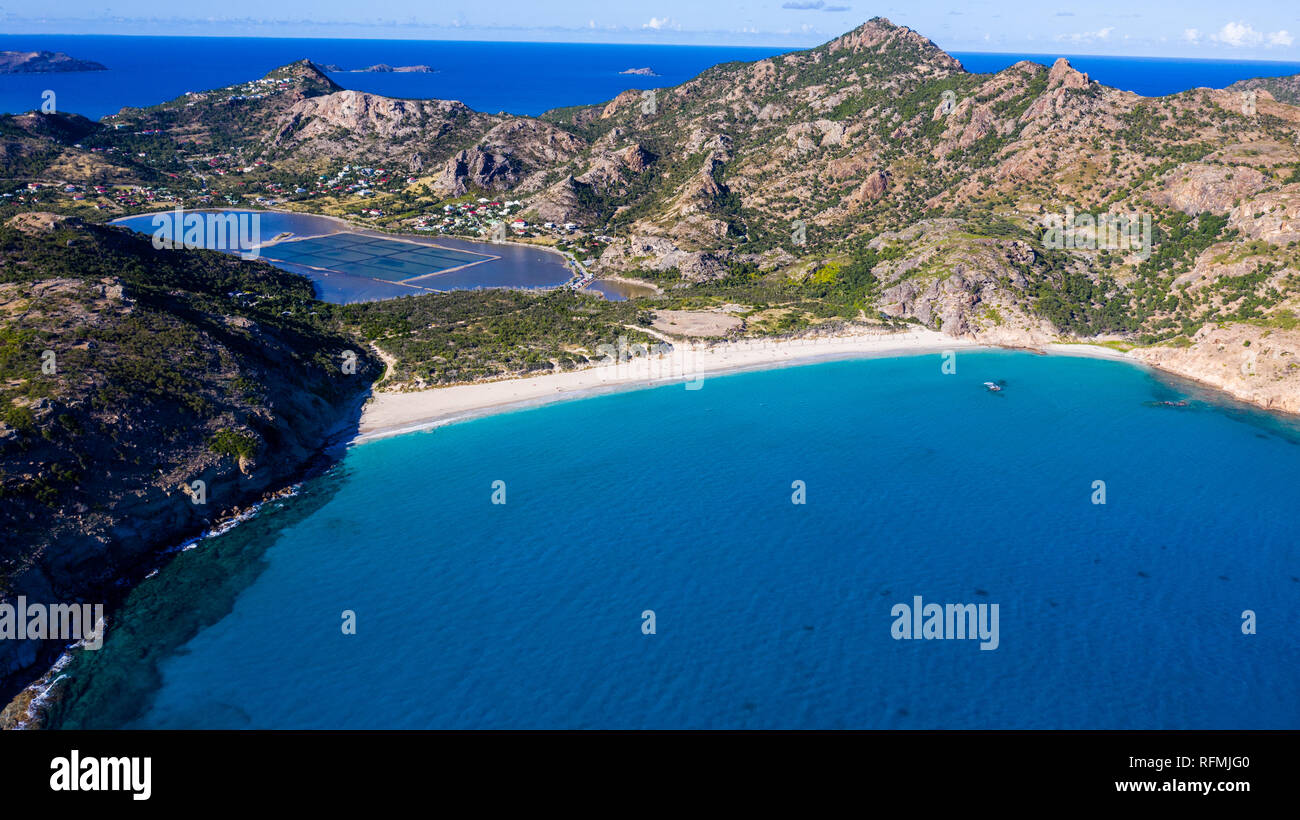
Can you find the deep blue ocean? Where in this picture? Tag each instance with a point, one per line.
(1126, 614)
(519, 78)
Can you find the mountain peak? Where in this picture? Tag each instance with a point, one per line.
(306, 72)
(880, 35)
(1065, 75)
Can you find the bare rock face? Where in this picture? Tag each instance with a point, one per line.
(1021, 253)
(1064, 75)
(694, 215)
(1254, 364)
(1197, 187)
(351, 126)
(982, 123)
(702, 190)
(965, 304)
(660, 254)
(629, 98)
(800, 138)
(475, 168)
(605, 174)
(560, 202)
(505, 156)
(951, 282)
(533, 142)
(1062, 107)
(974, 117)
(871, 189)
(356, 111)
(852, 166)
(38, 222)
(610, 171)
(773, 259)
(636, 158)
(1273, 217)
(809, 136)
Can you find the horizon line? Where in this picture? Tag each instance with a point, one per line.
(1047, 54)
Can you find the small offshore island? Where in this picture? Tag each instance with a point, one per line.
(378, 68)
(43, 62)
(868, 197)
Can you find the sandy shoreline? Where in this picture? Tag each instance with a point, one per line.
(390, 414)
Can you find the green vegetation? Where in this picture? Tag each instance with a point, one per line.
(123, 362)
(233, 443)
(469, 335)
(1075, 303)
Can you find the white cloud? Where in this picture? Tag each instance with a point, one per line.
(1244, 35)
(1192, 35)
(661, 23)
(1086, 36)
(1238, 35)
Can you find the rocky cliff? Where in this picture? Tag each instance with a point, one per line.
(1260, 365)
(147, 394)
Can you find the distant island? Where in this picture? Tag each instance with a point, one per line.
(43, 62)
(380, 68)
(642, 72)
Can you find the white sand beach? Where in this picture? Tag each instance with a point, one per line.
(390, 414)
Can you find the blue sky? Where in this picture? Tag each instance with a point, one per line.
(1253, 29)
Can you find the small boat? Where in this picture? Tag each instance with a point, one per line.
(1173, 404)
(992, 387)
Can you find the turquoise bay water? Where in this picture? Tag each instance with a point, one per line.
(769, 614)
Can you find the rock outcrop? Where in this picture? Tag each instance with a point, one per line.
(660, 254)
(1255, 364)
